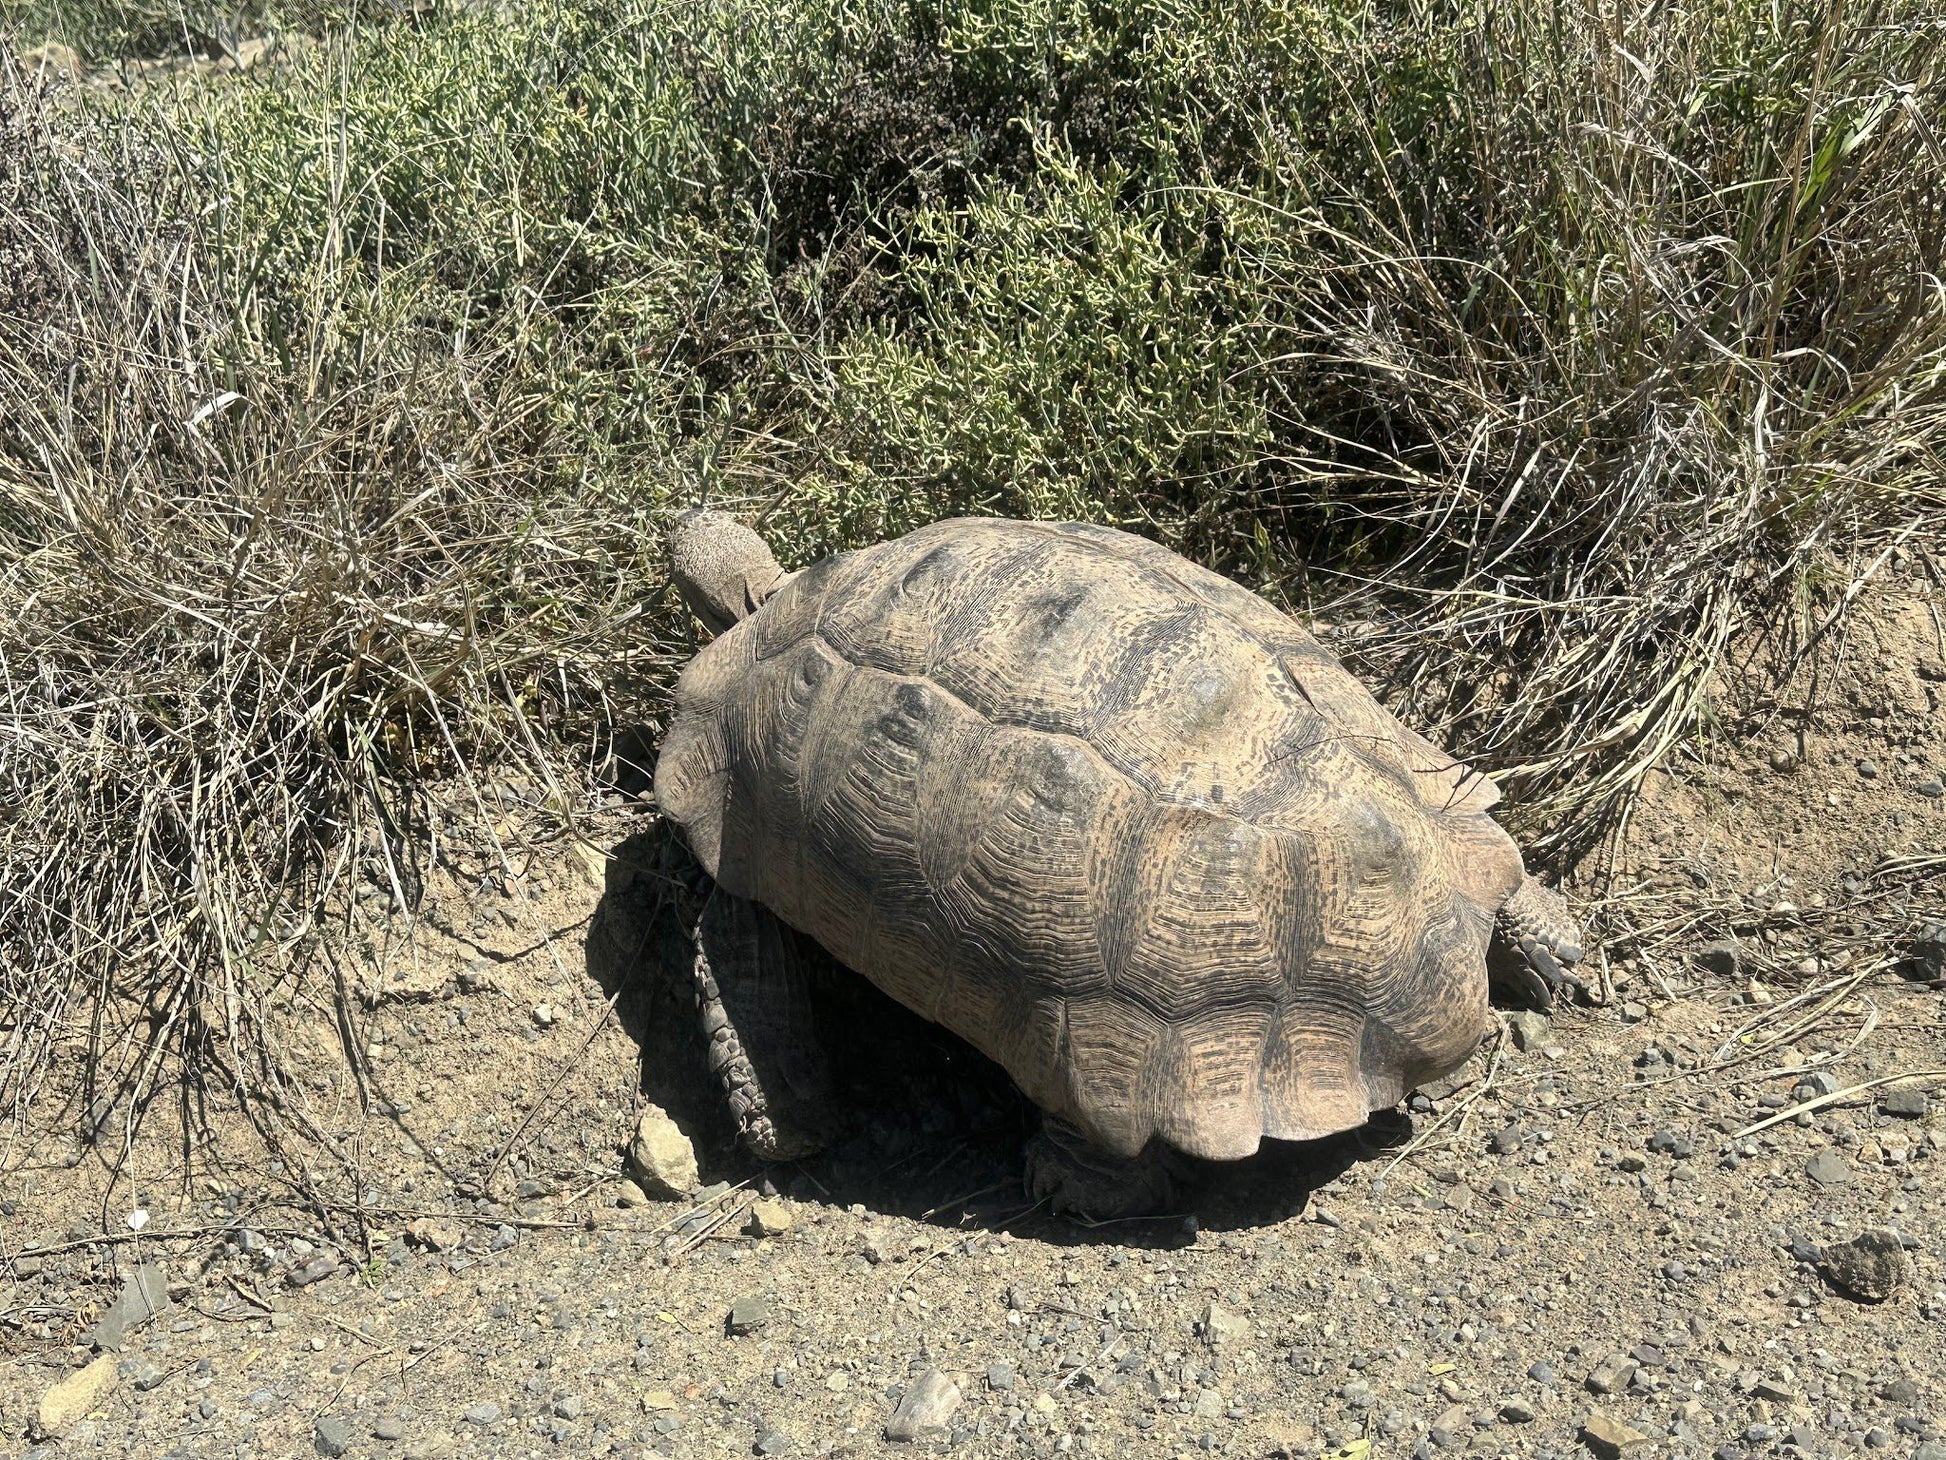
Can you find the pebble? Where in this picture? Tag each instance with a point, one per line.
(1906, 1103)
(1505, 1141)
(1452, 1428)
(1517, 1412)
(1828, 1168)
(483, 1414)
(1542, 1373)
(660, 1156)
(1902, 1390)
(1871, 1266)
(1000, 1377)
(630, 1194)
(773, 1442)
(1611, 1375)
(1609, 1437)
(388, 1427)
(1868, 770)
(1222, 1327)
(145, 1294)
(1209, 1404)
(749, 1313)
(1723, 958)
(312, 1270)
(771, 1218)
(569, 1406)
(333, 1436)
(927, 1404)
(1529, 1029)
(73, 1397)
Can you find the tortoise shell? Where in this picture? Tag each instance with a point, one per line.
(1109, 817)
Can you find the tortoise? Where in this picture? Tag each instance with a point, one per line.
(1111, 818)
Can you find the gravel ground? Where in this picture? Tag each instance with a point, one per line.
(1578, 1245)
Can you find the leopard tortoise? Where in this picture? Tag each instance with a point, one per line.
(1109, 817)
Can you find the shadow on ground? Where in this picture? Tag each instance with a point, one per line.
(931, 1129)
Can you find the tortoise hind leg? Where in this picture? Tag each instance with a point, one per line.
(753, 991)
(1074, 1177)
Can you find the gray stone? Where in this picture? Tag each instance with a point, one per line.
(145, 1294)
(1828, 1168)
(1611, 1375)
(749, 1313)
(569, 1406)
(1529, 1029)
(333, 1436)
(1907, 1103)
(660, 1156)
(773, 1442)
(483, 1414)
(1452, 1428)
(1000, 1377)
(388, 1427)
(1871, 1266)
(312, 1269)
(1517, 1412)
(1609, 1438)
(1505, 1141)
(928, 1403)
(1222, 1327)
(1723, 958)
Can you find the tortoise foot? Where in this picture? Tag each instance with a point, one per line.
(1536, 946)
(1077, 1179)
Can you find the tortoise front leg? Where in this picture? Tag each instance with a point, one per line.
(754, 995)
(1075, 1177)
(1537, 942)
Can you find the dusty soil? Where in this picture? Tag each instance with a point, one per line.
(1579, 1242)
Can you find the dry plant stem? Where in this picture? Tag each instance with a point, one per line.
(1820, 1101)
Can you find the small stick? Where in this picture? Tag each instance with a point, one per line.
(1820, 1101)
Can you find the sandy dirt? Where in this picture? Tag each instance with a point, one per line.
(1580, 1244)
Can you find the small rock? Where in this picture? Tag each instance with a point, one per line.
(1517, 1412)
(1723, 958)
(1542, 1373)
(773, 1442)
(663, 1160)
(928, 1403)
(1906, 1103)
(333, 1436)
(145, 1294)
(435, 1234)
(1529, 1029)
(545, 1016)
(749, 1313)
(1774, 1390)
(1868, 770)
(1611, 1375)
(73, 1397)
(1222, 1327)
(568, 1406)
(483, 1414)
(1926, 959)
(1000, 1377)
(312, 1270)
(1452, 1428)
(388, 1427)
(1209, 1404)
(1871, 1266)
(505, 1236)
(1902, 1390)
(629, 1194)
(1828, 1168)
(1607, 1437)
(1505, 1141)
(771, 1218)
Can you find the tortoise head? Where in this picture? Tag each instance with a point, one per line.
(723, 570)
(1536, 943)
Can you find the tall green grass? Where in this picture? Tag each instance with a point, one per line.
(1546, 347)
